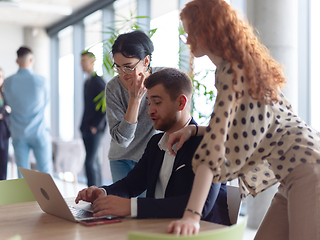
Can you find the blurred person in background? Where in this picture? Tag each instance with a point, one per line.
(93, 121)
(5, 111)
(27, 95)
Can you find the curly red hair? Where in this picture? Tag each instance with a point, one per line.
(227, 36)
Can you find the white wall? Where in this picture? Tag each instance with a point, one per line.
(39, 43)
(10, 41)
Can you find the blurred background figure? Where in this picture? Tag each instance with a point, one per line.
(5, 110)
(27, 95)
(93, 121)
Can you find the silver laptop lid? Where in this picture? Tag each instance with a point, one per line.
(47, 194)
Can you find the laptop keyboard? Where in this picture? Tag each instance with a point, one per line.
(80, 213)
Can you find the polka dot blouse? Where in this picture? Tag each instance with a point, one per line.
(248, 139)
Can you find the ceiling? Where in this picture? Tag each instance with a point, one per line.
(38, 13)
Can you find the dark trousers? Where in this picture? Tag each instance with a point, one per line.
(4, 159)
(92, 166)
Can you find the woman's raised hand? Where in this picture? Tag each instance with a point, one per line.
(136, 88)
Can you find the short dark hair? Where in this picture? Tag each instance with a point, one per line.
(89, 54)
(175, 81)
(23, 51)
(134, 44)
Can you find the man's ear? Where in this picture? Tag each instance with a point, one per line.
(182, 102)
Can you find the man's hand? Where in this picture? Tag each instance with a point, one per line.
(89, 194)
(113, 205)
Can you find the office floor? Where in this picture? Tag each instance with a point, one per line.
(70, 189)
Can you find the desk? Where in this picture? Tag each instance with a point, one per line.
(28, 220)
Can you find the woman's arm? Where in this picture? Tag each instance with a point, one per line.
(121, 131)
(189, 223)
(122, 118)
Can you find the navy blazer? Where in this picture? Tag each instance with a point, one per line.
(145, 174)
(91, 116)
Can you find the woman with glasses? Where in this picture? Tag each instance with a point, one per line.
(127, 108)
(253, 135)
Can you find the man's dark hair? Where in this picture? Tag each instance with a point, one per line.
(89, 54)
(23, 51)
(175, 81)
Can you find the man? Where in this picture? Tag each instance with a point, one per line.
(167, 178)
(5, 111)
(27, 95)
(93, 120)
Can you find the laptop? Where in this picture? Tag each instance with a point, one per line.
(50, 199)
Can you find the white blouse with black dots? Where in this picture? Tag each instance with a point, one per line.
(257, 142)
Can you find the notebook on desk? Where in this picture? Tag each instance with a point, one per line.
(50, 199)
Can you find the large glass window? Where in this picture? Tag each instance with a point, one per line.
(124, 10)
(66, 84)
(204, 71)
(314, 62)
(93, 38)
(165, 17)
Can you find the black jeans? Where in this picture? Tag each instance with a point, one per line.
(92, 166)
(4, 159)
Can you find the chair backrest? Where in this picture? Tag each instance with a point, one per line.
(15, 191)
(16, 237)
(234, 232)
(234, 202)
(68, 156)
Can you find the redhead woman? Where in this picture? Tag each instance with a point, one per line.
(253, 134)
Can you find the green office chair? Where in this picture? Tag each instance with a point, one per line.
(234, 232)
(16, 237)
(15, 191)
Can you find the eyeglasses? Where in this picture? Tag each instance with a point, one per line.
(184, 38)
(126, 70)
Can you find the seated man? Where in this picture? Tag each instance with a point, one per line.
(167, 178)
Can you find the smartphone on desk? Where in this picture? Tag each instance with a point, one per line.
(99, 221)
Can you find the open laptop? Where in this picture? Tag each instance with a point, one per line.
(50, 199)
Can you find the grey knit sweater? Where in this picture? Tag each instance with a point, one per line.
(128, 141)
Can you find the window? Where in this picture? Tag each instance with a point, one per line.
(165, 17)
(314, 62)
(93, 38)
(66, 84)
